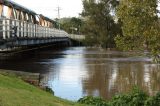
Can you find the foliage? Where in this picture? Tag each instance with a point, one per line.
(153, 101)
(96, 101)
(99, 26)
(134, 98)
(49, 90)
(72, 25)
(140, 25)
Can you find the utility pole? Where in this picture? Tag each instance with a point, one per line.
(58, 15)
(58, 10)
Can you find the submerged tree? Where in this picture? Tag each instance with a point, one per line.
(140, 25)
(100, 25)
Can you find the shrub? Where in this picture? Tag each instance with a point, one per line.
(49, 90)
(96, 101)
(134, 98)
(153, 101)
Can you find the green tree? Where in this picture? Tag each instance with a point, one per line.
(140, 25)
(99, 23)
(72, 25)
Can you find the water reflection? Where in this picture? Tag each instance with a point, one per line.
(102, 73)
(120, 75)
(76, 72)
(65, 78)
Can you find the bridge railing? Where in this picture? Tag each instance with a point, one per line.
(11, 28)
(76, 37)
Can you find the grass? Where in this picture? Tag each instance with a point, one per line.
(15, 92)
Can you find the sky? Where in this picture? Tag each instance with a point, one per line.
(68, 8)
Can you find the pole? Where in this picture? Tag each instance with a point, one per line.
(58, 9)
(58, 14)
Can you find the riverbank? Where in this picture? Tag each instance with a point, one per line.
(32, 78)
(15, 92)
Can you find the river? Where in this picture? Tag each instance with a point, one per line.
(75, 72)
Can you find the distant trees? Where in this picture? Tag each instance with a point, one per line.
(72, 25)
(100, 27)
(140, 25)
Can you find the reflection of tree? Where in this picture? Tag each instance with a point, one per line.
(129, 75)
(107, 79)
(153, 84)
(97, 81)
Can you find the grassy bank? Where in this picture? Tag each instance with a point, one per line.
(15, 92)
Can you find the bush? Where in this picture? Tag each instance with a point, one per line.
(135, 98)
(96, 101)
(153, 101)
(120, 100)
(49, 90)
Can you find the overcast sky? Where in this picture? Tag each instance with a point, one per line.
(69, 8)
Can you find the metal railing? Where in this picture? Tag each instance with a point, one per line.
(11, 28)
(76, 37)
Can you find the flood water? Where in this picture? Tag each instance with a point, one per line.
(75, 72)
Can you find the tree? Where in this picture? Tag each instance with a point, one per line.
(99, 23)
(72, 25)
(140, 25)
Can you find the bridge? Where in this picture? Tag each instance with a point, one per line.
(21, 27)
